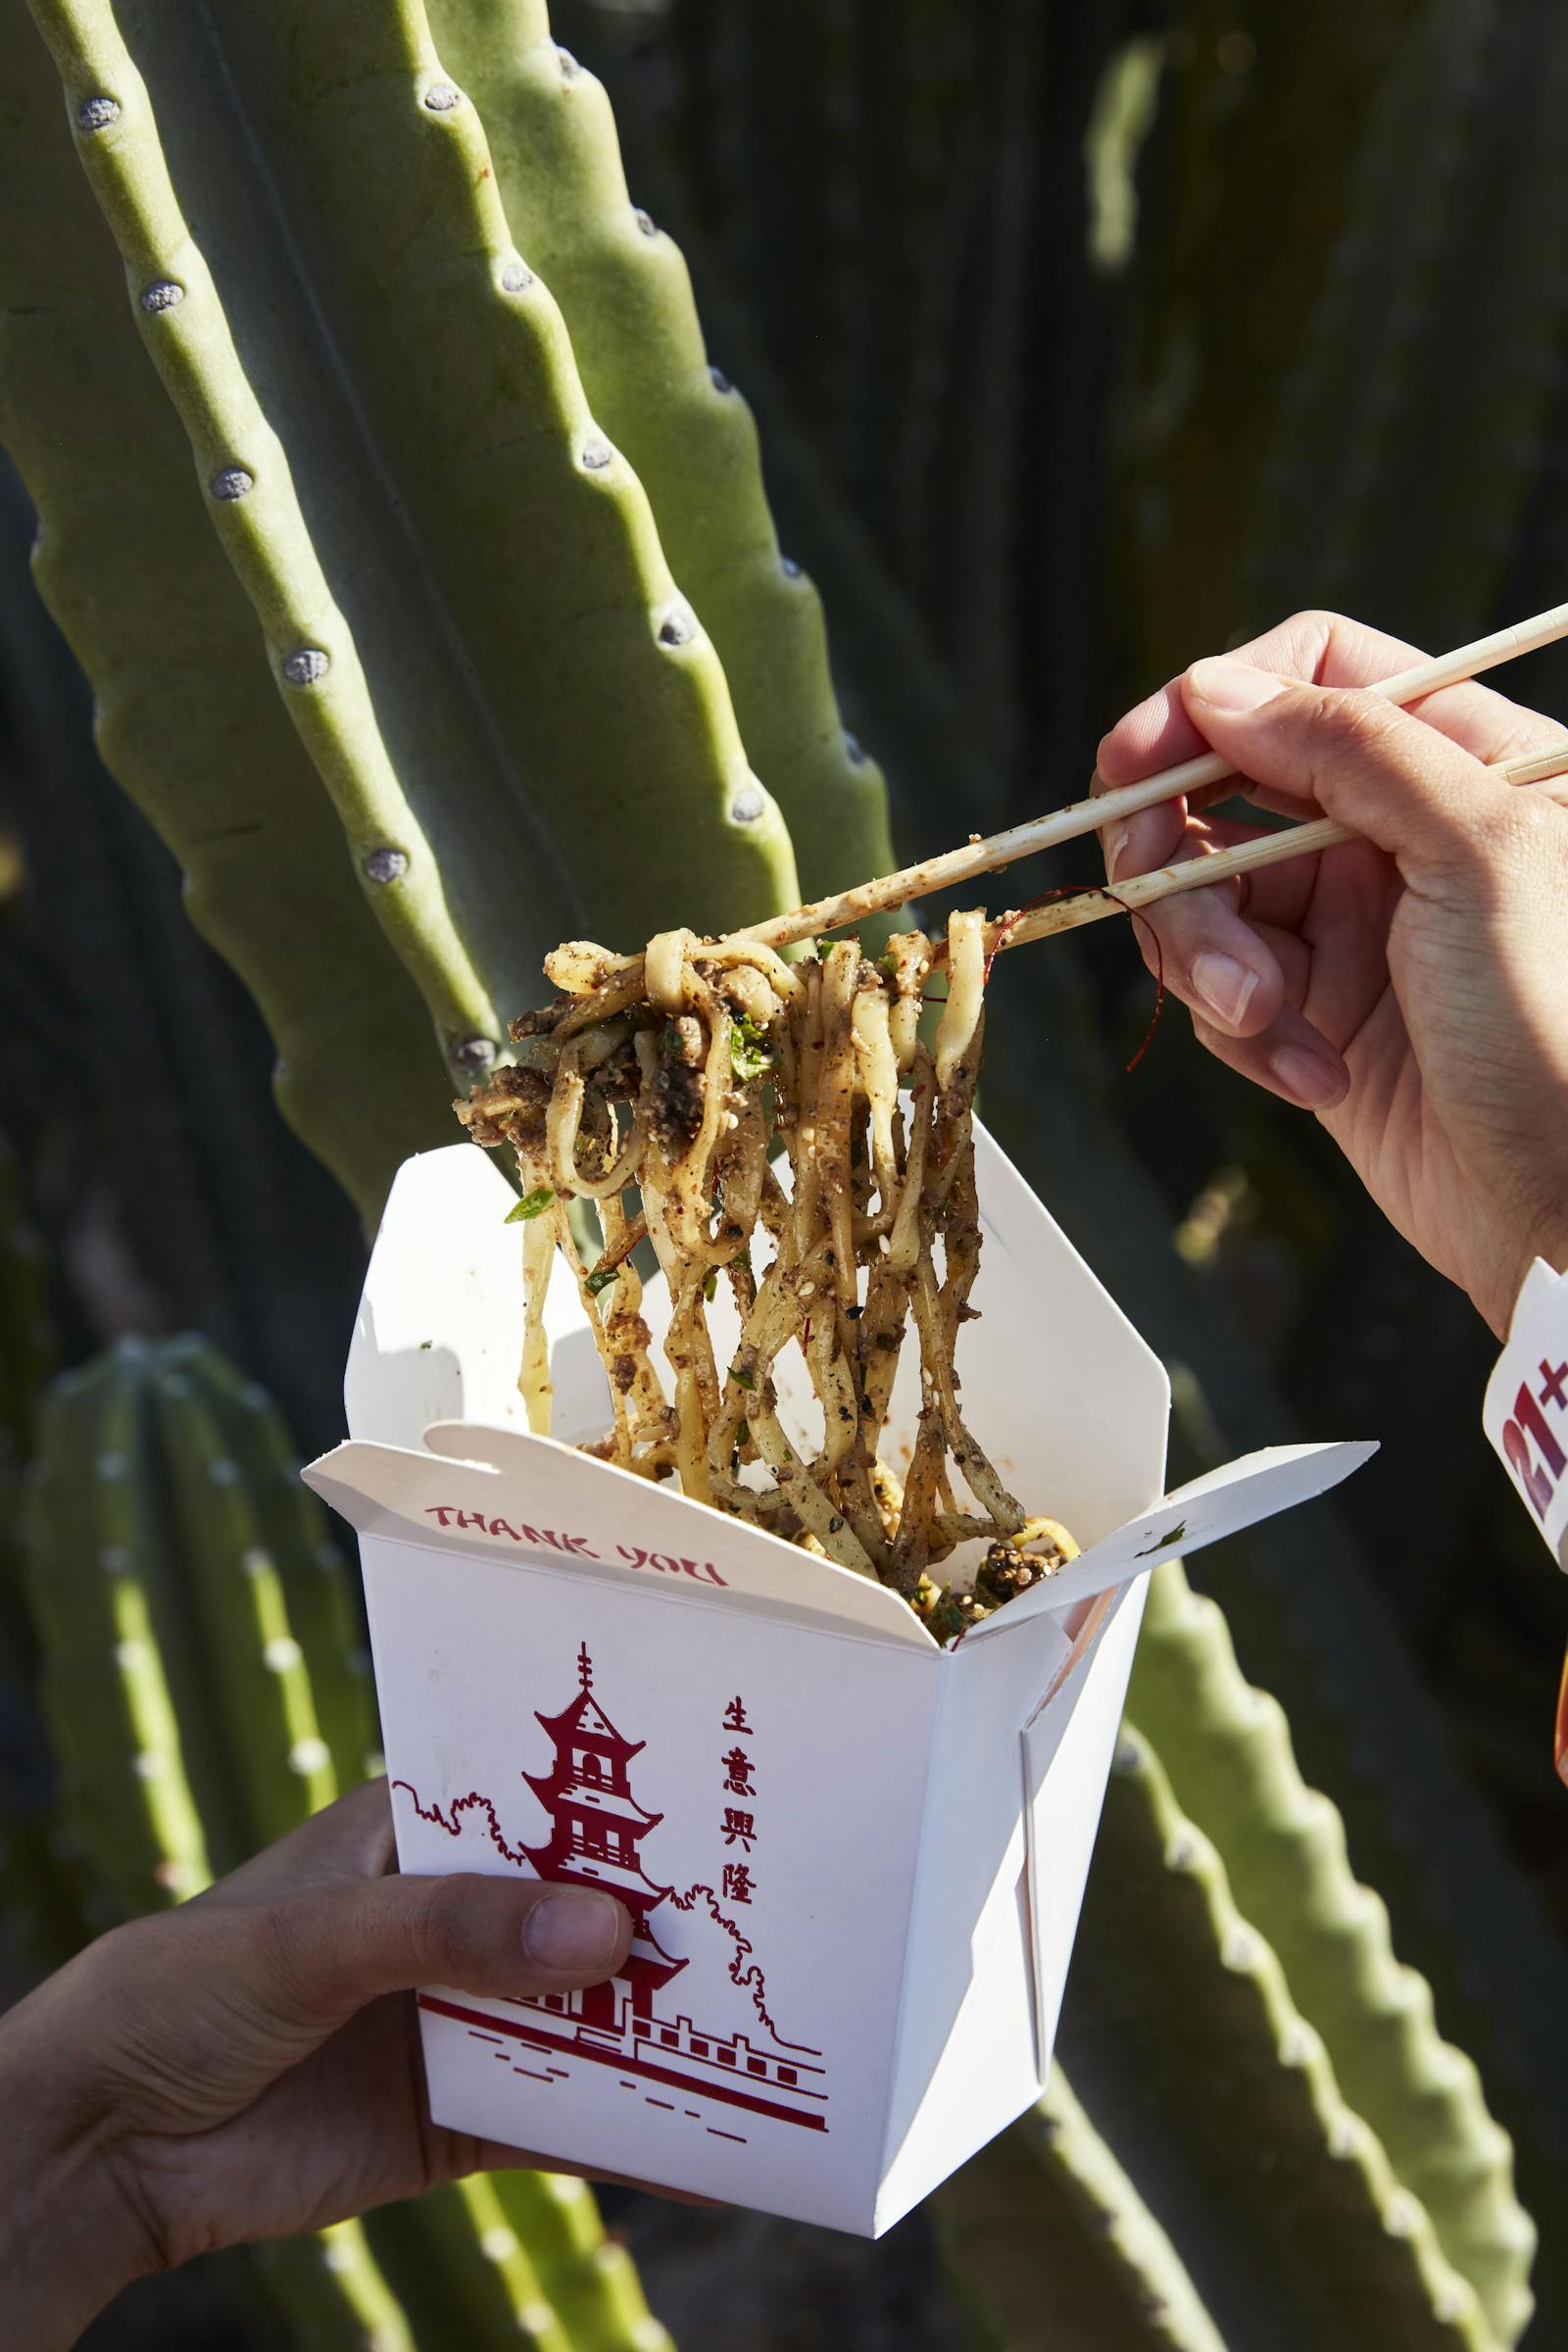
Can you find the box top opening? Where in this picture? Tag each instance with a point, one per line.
(1068, 1401)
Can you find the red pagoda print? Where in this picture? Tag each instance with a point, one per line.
(597, 1827)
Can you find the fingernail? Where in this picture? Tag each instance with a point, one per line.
(1232, 685)
(1311, 1081)
(1225, 985)
(575, 1929)
(1119, 841)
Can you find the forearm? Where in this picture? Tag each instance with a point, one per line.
(67, 2239)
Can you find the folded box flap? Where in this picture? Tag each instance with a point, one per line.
(516, 1496)
(440, 1322)
(1219, 1503)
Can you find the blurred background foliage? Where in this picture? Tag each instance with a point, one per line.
(1082, 341)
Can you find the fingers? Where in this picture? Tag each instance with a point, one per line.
(1291, 1058)
(1244, 976)
(1393, 779)
(321, 1956)
(1204, 949)
(1330, 649)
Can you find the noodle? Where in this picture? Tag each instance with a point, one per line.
(658, 1091)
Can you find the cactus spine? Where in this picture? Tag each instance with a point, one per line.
(200, 1682)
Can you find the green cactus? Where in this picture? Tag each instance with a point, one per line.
(331, 2289)
(623, 291)
(185, 1652)
(1282, 1844)
(1196, 2022)
(456, 574)
(201, 1684)
(1055, 2250)
(587, 2275)
(131, 568)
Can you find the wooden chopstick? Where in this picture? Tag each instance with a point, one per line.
(623, 982)
(1197, 874)
(1110, 807)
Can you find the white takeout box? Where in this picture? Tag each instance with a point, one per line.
(855, 1860)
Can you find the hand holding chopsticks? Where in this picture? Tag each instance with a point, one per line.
(956, 867)
(1414, 998)
(1246, 857)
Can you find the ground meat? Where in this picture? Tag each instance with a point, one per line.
(677, 1110)
(1006, 1571)
(510, 1108)
(541, 1021)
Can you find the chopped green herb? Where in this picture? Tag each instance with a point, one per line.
(743, 1380)
(532, 1204)
(423, 1346)
(749, 1052)
(710, 1284)
(743, 1435)
(600, 1280)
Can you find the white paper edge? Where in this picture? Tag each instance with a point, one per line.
(1157, 1535)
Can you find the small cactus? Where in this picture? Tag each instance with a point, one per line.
(205, 1683)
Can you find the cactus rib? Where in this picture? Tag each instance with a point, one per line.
(186, 714)
(429, 425)
(1055, 2249)
(331, 2286)
(96, 1569)
(623, 290)
(291, 1531)
(1283, 1847)
(588, 2277)
(1197, 2021)
(253, 498)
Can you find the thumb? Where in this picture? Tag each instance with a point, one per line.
(1357, 756)
(312, 1960)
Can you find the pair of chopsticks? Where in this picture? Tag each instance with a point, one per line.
(1189, 776)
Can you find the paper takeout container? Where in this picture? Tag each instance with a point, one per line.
(855, 1860)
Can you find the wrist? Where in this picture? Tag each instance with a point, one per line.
(1496, 1288)
(69, 2242)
